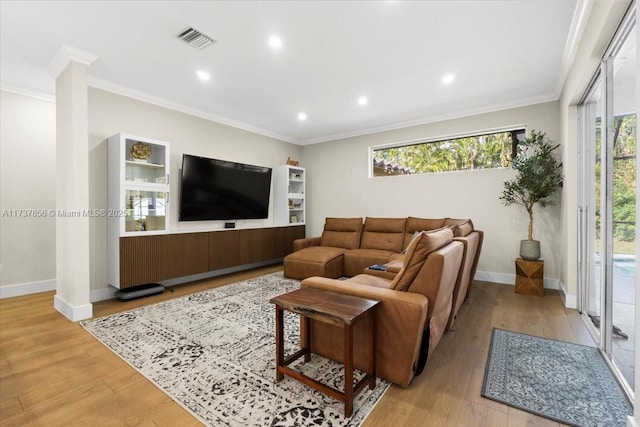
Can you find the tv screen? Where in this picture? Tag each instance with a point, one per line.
(213, 189)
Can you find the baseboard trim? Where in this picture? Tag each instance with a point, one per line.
(493, 277)
(73, 313)
(570, 301)
(510, 279)
(102, 294)
(21, 289)
(631, 421)
(27, 288)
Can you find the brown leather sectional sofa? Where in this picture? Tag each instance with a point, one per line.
(429, 266)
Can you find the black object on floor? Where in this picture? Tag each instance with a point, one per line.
(139, 291)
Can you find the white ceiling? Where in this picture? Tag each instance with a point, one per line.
(503, 53)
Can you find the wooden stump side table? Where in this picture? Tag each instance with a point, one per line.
(336, 309)
(529, 277)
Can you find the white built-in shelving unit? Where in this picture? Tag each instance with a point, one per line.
(138, 192)
(289, 195)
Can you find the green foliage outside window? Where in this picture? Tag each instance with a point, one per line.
(474, 152)
(624, 181)
(624, 178)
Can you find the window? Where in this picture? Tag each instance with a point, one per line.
(486, 151)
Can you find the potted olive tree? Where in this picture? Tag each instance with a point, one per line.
(539, 176)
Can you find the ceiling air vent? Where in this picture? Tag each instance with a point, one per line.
(195, 38)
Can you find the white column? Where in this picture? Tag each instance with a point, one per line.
(69, 68)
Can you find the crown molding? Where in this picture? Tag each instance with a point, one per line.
(161, 102)
(130, 93)
(548, 97)
(67, 54)
(25, 91)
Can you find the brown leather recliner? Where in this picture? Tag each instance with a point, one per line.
(410, 322)
(381, 239)
(323, 256)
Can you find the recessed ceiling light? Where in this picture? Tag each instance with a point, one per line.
(448, 78)
(275, 42)
(302, 116)
(363, 100)
(204, 75)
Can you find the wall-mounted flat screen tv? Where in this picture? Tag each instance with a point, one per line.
(213, 189)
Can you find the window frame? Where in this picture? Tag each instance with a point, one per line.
(449, 137)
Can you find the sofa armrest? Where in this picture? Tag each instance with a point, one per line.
(401, 319)
(386, 274)
(394, 268)
(305, 243)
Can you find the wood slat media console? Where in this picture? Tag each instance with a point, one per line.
(148, 259)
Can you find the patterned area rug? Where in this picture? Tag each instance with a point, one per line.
(565, 382)
(214, 353)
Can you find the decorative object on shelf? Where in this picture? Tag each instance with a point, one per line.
(292, 162)
(140, 151)
(141, 225)
(539, 176)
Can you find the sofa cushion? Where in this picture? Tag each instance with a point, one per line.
(383, 233)
(415, 234)
(462, 230)
(419, 249)
(356, 260)
(342, 233)
(452, 222)
(420, 224)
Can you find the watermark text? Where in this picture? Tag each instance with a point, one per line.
(63, 213)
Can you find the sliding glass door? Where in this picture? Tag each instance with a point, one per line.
(622, 210)
(608, 204)
(591, 244)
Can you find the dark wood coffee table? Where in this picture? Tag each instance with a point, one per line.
(336, 309)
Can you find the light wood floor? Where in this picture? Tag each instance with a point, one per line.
(53, 373)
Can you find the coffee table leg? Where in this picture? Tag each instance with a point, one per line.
(348, 371)
(372, 349)
(306, 327)
(279, 343)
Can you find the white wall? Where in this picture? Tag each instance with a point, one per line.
(110, 114)
(28, 179)
(338, 184)
(28, 176)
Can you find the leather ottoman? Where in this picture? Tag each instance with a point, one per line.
(324, 261)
